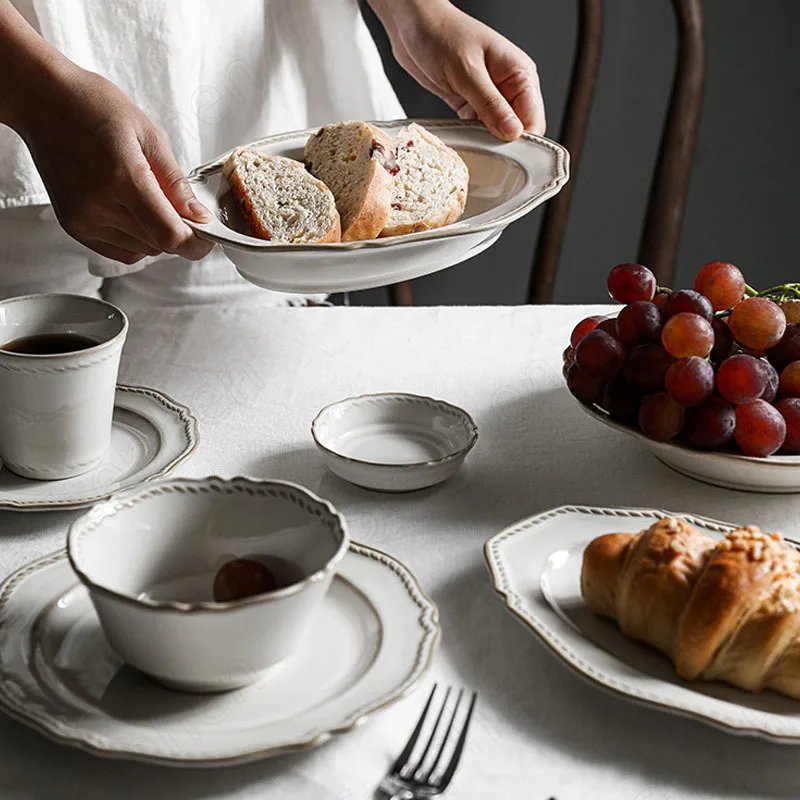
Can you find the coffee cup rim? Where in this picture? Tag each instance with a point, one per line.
(120, 335)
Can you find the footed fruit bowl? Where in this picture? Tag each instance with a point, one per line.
(708, 378)
(777, 474)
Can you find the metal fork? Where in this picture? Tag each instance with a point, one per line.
(407, 782)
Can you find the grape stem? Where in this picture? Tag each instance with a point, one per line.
(663, 290)
(786, 291)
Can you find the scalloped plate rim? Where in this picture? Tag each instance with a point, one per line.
(430, 636)
(555, 643)
(560, 176)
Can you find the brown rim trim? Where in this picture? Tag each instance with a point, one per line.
(428, 620)
(121, 334)
(773, 460)
(466, 417)
(119, 502)
(463, 227)
(191, 431)
(660, 705)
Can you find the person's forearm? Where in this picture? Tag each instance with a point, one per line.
(391, 13)
(27, 64)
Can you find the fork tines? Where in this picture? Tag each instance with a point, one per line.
(436, 773)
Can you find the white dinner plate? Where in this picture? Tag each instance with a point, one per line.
(371, 641)
(507, 180)
(772, 475)
(151, 434)
(535, 566)
(394, 442)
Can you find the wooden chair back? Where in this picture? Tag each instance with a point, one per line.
(660, 237)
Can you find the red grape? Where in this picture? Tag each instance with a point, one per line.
(710, 425)
(619, 400)
(582, 328)
(723, 340)
(791, 309)
(760, 428)
(687, 335)
(690, 302)
(789, 385)
(242, 577)
(661, 418)
(639, 322)
(587, 389)
(690, 381)
(741, 379)
(789, 408)
(628, 283)
(757, 323)
(646, 368)
(773, 380)
(723, 284)
(609, 326)
(599, 354)
(787, 349)
(660, 301)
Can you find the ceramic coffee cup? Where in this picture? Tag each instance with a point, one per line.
(56, 407)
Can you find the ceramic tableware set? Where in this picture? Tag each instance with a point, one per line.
(129, 618)
(121, 644)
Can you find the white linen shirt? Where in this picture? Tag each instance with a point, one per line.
(212, 74)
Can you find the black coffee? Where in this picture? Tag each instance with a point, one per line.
(49, 344)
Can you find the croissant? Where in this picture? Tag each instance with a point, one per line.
(724, 610)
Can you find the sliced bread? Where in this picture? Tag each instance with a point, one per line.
(280, 200)
(430, 188)
(356, 161)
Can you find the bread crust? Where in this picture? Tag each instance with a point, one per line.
(722, 610)
(247, 209)
(603, 561)
(730, 585)
(374, 212)
(370, 217)
(439, 216)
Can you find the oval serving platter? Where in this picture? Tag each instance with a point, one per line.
(507, 180)
(535, 567)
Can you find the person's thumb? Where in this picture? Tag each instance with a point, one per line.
(172, 180)
(477, 88)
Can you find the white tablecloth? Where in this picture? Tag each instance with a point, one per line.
(255, 378)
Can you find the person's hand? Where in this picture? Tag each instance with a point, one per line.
(111, 176)
(476, 71)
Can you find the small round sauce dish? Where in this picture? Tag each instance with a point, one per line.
(394, 442)
(155, 558)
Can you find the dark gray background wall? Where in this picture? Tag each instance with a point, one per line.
(742, 203)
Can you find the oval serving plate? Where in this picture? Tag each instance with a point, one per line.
(771, 475)
(535, 566)
(507, 180)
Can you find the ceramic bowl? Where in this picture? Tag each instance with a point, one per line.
(506, 181)
(394, 442)
(149, 556)
(772, 475)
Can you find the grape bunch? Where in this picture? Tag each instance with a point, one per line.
(716, 367)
